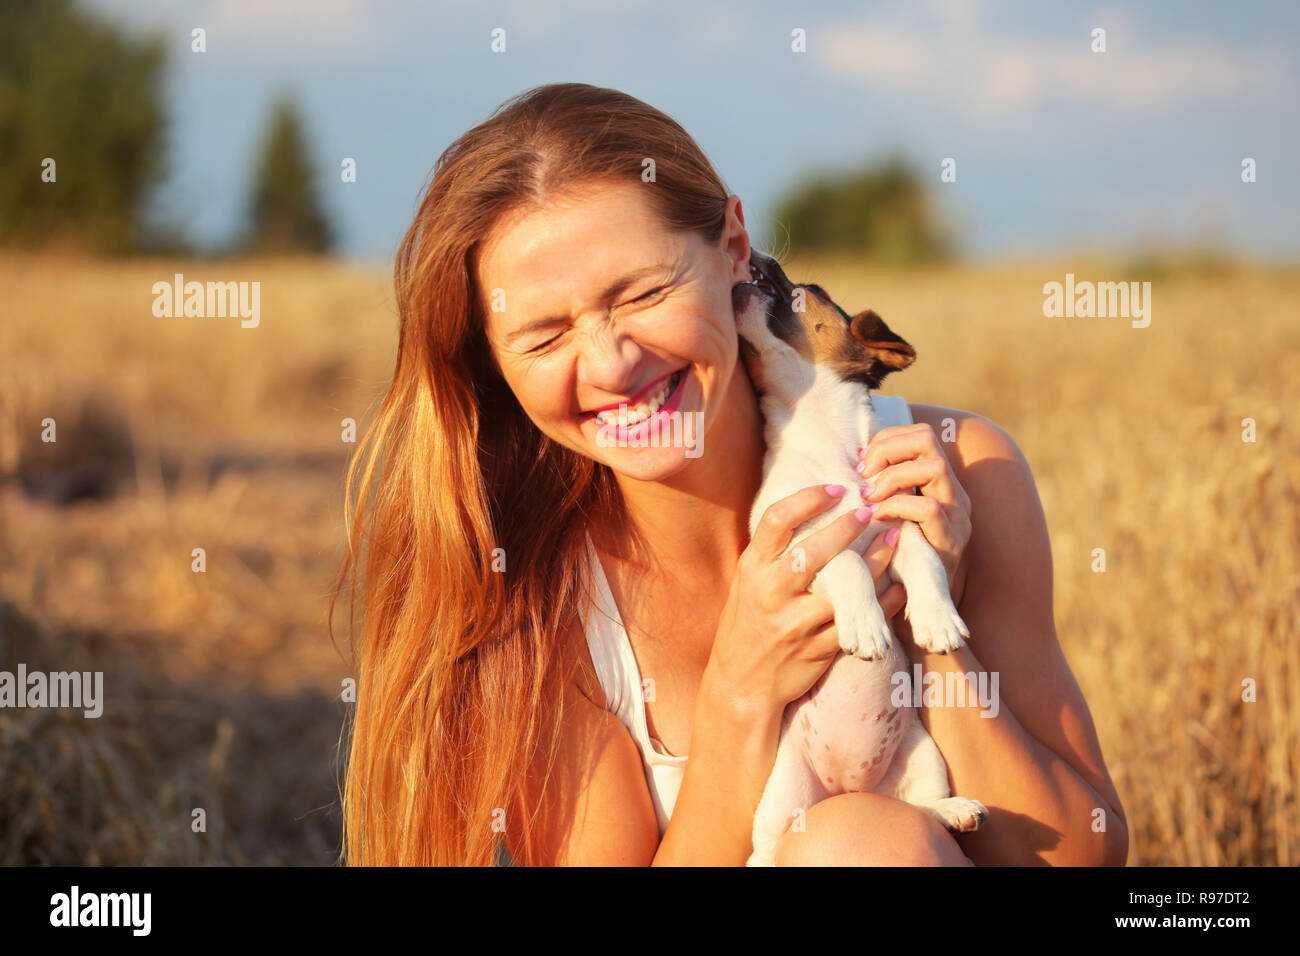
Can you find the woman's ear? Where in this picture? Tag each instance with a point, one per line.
(735, 240)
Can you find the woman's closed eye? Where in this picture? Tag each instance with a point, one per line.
(542, 346)
(652, 292)
(547, 344)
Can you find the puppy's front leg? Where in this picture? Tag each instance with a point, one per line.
(936, 625)
(846, 583)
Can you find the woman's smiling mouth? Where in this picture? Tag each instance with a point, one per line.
(625, 416)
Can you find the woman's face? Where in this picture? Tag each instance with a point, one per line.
(593, 303)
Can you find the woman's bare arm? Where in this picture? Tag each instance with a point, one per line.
(596, 810)
(1037, 765)
(731, 757)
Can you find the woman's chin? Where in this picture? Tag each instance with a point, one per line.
(644, 464)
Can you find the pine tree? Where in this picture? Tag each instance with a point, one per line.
(286, 212)
(82, 128)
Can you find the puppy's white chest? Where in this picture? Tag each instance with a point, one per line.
(815, 441)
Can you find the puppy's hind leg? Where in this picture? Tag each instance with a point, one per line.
(918, 775)
(791, 790)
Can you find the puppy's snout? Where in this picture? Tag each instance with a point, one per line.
(767, 275)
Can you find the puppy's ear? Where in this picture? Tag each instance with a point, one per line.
(889, 350)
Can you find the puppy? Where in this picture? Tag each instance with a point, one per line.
(814, 368)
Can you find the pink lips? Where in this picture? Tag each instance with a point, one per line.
(636, 399)
(654, 422)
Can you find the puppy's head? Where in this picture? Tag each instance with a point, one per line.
(782, 323)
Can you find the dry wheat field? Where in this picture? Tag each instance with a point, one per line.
(222, 688)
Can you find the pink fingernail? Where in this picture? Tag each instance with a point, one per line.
(863, 514)
(869, 487)
(891, 536)
(835, 490)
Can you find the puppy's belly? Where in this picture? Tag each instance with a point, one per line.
(848, 729)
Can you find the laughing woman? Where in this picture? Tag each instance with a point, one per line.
(522, 581)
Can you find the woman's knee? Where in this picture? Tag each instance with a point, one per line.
(869, 829)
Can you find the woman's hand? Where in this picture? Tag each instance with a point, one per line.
(902, 457)
(775, 638)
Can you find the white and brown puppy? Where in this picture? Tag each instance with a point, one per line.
(814, 368)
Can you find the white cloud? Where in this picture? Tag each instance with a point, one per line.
(944, 52)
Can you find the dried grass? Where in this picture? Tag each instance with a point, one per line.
(223, 686)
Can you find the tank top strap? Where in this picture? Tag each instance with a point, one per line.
(891, 410)
(605, 639)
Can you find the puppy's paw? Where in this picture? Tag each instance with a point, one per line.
(863, 631)
(936, 626)
(959, 814)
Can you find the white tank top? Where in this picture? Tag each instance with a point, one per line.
(620, 677)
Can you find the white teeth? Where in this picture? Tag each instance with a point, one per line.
(624, 416)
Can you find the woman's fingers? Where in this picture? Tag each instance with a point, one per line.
(901, 458)
(926, 512)
(918, 447)
(906, 475)
(892, 601)
(777, 525)
(880, 552)
(897, 443)
(813, 553)
(824, 643)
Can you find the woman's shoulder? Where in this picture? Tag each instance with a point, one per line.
(582, 678)
(966, 437)
(589, 802)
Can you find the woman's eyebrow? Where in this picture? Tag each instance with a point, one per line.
(613, 289)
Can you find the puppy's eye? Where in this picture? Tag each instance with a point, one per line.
(818, 327)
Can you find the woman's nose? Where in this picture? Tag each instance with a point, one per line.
(607, 358)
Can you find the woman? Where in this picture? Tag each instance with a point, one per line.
(571, 254)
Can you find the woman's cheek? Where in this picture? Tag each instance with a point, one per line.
(550, 392)
(521, 378)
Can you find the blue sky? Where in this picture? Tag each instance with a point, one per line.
(1057, 148)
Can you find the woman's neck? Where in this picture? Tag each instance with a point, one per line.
(699, 518)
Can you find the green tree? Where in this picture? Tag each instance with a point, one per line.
(79, 92)
(883, 213)
(286, 212)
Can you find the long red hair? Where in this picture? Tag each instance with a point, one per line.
(464, 672)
